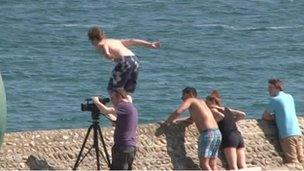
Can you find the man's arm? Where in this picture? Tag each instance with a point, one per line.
(184, 106)
(103, 108)
(138, 42)
(267, 116)
(185, 120)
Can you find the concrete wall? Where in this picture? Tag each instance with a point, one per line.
(174, 147)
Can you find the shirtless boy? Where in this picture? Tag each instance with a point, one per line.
(210, 136)
(125, 73)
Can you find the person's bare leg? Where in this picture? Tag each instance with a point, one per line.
(241, 158)
(212, 163)
(204, 164)
(231, 157)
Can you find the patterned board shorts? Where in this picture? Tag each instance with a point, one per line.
(209, 143)
(125, 74)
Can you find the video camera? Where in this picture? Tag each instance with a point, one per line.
(89, 105)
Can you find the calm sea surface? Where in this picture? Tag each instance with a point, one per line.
(49, 67)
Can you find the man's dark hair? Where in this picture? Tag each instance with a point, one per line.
(277, 83)
(190, 90)
(96, 33)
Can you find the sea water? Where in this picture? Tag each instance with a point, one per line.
(49, 67)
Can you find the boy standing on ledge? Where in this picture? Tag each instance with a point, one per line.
(210, 137)
(125, 73)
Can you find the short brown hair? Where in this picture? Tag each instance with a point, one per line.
(190, 90)
(96, 33)
(277, 83)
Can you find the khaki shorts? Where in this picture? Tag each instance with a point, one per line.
(293, 149)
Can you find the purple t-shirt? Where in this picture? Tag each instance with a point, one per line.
(126, 125)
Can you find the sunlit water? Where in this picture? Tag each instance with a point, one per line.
(49, 67)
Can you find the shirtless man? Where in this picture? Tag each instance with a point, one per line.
(125, 73)
(210, 136)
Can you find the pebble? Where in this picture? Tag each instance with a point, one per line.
(22, 165)
(65, 137)
(32, 144)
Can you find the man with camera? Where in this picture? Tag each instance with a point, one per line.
(123, 151)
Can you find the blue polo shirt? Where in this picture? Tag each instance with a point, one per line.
(283, 107)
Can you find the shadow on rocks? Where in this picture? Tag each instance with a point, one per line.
(175, 137)
(36, 162)
(270, 131)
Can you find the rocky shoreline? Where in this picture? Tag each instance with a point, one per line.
(159, 148)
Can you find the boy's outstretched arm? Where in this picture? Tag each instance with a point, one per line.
(139, 42)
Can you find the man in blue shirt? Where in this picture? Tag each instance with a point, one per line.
(281, 108)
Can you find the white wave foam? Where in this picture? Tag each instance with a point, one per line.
(285, 27)
(78, 25)
(107, 26)
(250, 28)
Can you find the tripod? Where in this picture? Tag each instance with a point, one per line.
(96, 132)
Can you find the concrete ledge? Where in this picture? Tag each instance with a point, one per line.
(174, 147)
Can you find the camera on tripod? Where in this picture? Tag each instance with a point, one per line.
(88, 105)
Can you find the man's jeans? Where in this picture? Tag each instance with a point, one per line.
(122, 157)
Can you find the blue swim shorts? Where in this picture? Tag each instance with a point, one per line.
(209, 143)
(124, 75)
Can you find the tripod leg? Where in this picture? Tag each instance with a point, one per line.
(104, 147)
(96, 146)
(83, 145)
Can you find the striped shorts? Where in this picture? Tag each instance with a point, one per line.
(209, 143)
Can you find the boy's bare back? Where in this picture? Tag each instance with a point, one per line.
(113, 49)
